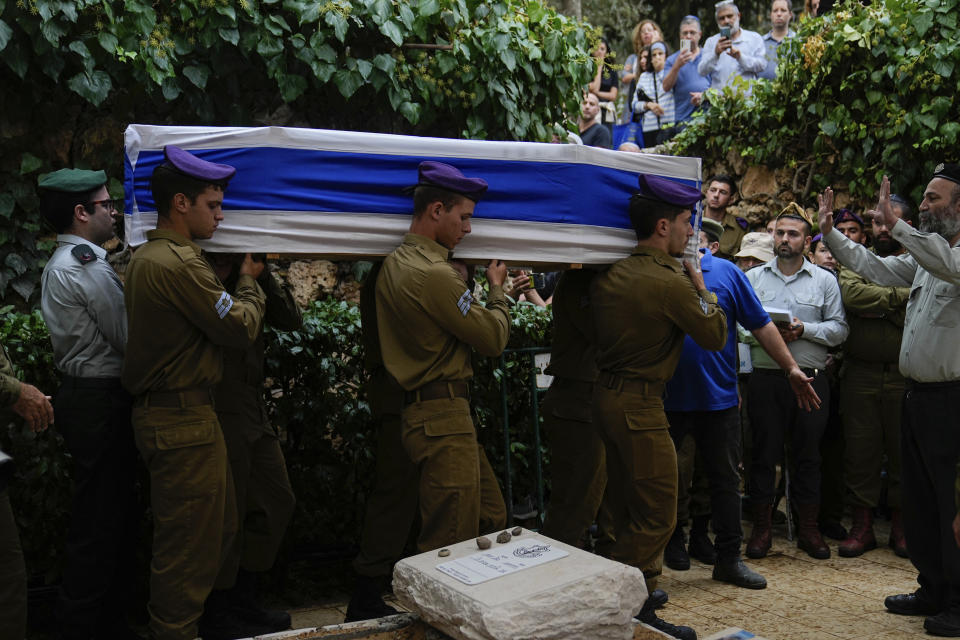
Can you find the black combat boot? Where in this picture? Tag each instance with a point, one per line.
(248, 609)
(221, 622)
(675, 555)
(367, 600)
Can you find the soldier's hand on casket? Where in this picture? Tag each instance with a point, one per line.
(496, 272)
(34, 407)
(251, 267)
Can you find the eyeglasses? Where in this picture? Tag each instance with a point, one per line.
(109, 204)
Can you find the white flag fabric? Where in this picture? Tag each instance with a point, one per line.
(340, 194)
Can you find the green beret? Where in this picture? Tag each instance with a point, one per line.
(712, 228)
(73, 180)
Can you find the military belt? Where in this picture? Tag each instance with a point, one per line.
(436, 391)
(569, 385)
(630, 385)
(175, 399)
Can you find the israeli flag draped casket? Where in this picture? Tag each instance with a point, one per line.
(339, 193)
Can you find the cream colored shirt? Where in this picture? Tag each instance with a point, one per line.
(930, 351)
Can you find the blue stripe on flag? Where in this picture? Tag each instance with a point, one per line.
(283, 179)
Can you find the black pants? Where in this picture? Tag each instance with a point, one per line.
(717, 436)
(93, 415)
(930, 446)
(773, 412)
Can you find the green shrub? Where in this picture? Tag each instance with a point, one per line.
(75, 73)
(863, 91)
(315, 396)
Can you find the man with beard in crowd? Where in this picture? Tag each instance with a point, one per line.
(930, 361)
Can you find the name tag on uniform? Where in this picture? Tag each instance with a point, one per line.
(224, 304)
(464, 302)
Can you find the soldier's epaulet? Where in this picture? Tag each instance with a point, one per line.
(183, 252)
(83, 253)
(668, 262)
(742, 222)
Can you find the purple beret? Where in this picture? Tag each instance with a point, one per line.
(817, 238)
(669, 191)
(193, 167)
(845, 215)
(445, 176)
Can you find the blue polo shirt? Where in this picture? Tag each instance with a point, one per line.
(688, 80)
(707, 380)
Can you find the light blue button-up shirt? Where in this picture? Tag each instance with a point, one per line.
(753, 59)
(82, 305)
(812, 295)
(773, 57)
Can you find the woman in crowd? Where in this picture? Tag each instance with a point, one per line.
(604, 84)
(644, 34)
(820, 254)
(655, 104)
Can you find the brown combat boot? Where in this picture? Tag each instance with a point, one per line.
(808, 534)
(762, 535)
(898, 542)
(861, 536)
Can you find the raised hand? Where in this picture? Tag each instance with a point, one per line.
(825, 214)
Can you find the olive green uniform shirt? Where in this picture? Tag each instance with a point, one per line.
(733, 232)
(428, 320)
(9, 385)
(875, 315)
(573, 355)
(642, 307)
(241, 389)
(180, 317)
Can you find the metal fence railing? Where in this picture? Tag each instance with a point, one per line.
(535, 393)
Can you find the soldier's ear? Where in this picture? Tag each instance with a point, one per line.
(662, 227)
(80, 213)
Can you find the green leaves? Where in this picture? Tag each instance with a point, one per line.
(863, 91)
(5, 34)
(94, 86)
(29, 163)
(197, 75)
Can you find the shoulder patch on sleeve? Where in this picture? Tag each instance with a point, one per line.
(83, 253)
(224, 304)
(742, 222)
(464, 302)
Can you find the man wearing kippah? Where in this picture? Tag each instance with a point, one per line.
(180, 319)
(428, 325)
(82, 305)
(930, 361)
(814, 322)
(642, 307)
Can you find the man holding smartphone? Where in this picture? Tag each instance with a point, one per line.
(682, 76)
(734, 52)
